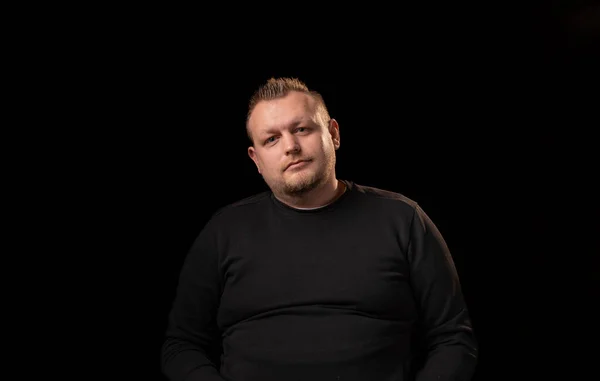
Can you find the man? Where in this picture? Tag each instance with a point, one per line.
(318, 278)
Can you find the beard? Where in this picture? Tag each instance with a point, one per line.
(305, 181)
(302, 183)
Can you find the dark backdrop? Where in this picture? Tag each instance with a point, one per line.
(479, 113)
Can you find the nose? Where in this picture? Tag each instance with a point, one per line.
(291, 144)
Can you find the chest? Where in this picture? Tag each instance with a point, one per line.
(365, 273)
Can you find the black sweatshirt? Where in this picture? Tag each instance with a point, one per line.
(363, 289)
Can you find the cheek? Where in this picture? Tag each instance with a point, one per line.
(269, 164)
(326, 146)
(326, 141)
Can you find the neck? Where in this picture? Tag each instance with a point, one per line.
(316, 198)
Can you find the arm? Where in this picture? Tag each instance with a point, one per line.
(449, 348)
(192, 344)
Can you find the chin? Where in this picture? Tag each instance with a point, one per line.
(301, 183)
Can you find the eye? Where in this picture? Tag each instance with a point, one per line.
(301, 129)
(270, 140)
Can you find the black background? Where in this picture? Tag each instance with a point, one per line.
(483, 113)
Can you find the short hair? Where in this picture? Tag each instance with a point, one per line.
(276, 88)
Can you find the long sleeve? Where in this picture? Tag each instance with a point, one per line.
(450, 349)
(192, 345)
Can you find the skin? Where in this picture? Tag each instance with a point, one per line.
(289, 129)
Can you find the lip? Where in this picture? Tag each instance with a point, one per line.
(294, 163)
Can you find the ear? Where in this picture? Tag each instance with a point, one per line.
(252, 154)
(334, 130)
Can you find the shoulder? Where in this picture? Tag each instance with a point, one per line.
(384, 197)
(386, 205)
(241, 207)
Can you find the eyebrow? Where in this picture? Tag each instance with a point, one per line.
(270, 131)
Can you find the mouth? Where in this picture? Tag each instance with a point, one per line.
(296, 163)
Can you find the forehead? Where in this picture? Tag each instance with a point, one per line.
(294, 108)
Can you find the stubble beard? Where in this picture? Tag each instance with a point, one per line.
(303, 184)
(306, 182)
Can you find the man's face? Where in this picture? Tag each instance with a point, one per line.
(289, 130)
